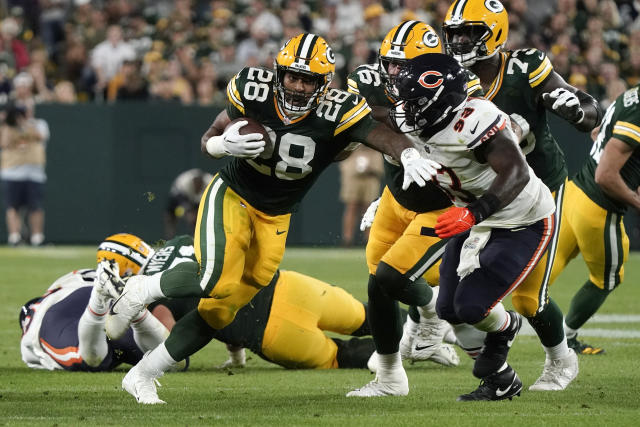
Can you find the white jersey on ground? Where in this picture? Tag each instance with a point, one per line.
(466, 179)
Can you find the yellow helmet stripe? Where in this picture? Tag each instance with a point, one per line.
(353, 116)
(307, 43)
(458, 10)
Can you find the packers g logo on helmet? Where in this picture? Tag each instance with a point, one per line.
(405, 41)
(130, 252)
(475, 30)
(310, 55)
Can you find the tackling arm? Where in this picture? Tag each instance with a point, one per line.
(575, 106)
(216, 129)
(614, 156)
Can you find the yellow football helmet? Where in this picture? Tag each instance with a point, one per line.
(129, 251)
(475, 30)
(310, 55)
(405, 41)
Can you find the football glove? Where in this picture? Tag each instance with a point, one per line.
(454, 221)
(237, 359)
(417, 169)
(565, 103)
(231, 143)
(367, 218)
(108, 282)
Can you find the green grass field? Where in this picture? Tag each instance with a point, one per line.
(607, 391)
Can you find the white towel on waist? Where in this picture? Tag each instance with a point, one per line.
(470, 253)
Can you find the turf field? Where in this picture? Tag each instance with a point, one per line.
(607, 391)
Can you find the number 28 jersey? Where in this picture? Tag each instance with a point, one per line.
(466, 178)
(300, 149)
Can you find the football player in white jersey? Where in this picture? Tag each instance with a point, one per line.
(499, 227)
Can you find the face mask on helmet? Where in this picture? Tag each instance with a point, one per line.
(466, 43)
(475, 30)
(431, 88)
(130, 252)
(304, 69)
(402, 43)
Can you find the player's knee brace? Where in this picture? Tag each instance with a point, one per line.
(391, 281)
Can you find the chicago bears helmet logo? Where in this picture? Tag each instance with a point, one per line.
(430, 79)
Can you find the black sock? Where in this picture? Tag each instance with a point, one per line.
(355, 353)
(584, 304)
(548, 324)
(189, 334)
(384, 319)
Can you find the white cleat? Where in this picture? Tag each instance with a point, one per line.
(428, 338)
(406, 342)
(445, 355)
(141, 386)
(372, 363)
(396, 385)
(557, 373)
(126, 308)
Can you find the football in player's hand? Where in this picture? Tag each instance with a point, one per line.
(252, 126)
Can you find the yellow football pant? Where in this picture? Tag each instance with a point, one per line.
(302, 308)
(239, 249)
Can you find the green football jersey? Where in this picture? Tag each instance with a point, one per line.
(513, 91)
(366, 81)
(177, 250)
(300, 149)
(621, 121)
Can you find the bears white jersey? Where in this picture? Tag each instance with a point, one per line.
(465, 179)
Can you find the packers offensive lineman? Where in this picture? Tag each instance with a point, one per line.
(597, 198)
(524, 82)
(499, 227)
(244, 214)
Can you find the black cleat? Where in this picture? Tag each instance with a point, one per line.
(498, 386)
(583, 348)
(496, 348)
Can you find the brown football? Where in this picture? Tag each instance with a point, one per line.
(252, 126)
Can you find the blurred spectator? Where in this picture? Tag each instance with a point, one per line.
(22, 173)
(266, 20)
(12, 51)
(360, 176)
(162, 89)
(184, 198)
(108, 56)
(129, 84)
(52, 15)
(64, 93)
(412, 10)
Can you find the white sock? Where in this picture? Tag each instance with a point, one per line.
(559, 351)
(37, 239)
(148, 332)
(91, 338)
(429, 310)
(98, 304)
(152, 291)
(569, 332)
(470, 339)
(14, 238)
(157, 362)
(497, 320)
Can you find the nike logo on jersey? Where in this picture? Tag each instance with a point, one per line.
(474, 128)
(500, 392)
(278, 232)
(422, 347)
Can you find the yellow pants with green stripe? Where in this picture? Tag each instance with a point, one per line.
(239, 249)
(302, 308)
(596, 233)
(405, 240)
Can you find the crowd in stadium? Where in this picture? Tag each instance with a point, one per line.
(186, 50)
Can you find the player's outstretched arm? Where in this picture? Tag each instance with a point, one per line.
(575, 106)
(417, 169)
(614, 156)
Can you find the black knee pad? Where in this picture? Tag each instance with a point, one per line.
(391, 281)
